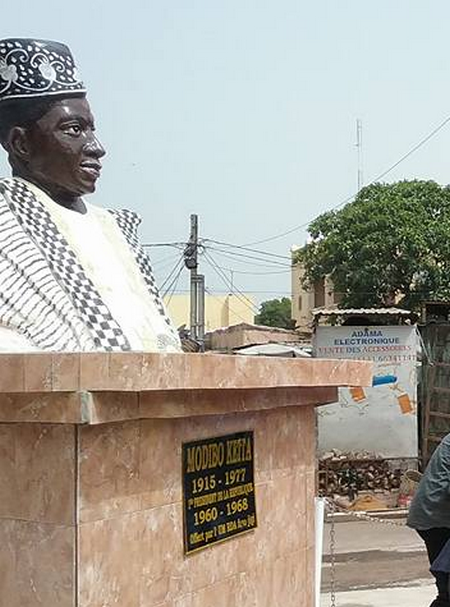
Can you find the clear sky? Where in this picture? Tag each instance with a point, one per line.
(244, 111)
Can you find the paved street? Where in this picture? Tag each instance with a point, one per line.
(376, 565)
(410, 596)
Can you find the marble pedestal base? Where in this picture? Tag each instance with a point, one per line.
(90, 486)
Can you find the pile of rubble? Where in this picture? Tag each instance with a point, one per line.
(348, 474)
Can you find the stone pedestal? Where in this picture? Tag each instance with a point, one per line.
(91, 488)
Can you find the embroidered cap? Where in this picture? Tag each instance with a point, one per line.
(37, 68)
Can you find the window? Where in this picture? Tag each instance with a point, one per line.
(319, 293)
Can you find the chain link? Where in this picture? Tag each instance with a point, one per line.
(333, 508)
(332, 564)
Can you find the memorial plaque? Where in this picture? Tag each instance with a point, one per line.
(218, 489)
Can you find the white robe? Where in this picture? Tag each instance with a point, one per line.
(75, 282)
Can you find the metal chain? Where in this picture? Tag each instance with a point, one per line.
(332, 509)
(332, 564)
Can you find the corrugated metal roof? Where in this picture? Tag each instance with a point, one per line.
(272, 349)
(361, 311)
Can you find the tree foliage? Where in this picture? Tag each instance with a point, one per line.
(275, 313)
(390, 245)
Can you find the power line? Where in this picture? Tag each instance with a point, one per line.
(164, 244)
(161, 264)
(172, 272)
(241, 296)
(229, 282)
(232, 309)
(161, 270)
(224, 292)
(374, 180)
(237, 246)
(267, 273)
(238, 256)
(173, 285)
(412, 150)
(173, 276)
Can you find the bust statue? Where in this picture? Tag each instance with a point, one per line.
(73, 276)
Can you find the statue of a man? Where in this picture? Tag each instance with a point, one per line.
(73, 276)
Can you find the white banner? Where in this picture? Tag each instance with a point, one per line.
(382, 419)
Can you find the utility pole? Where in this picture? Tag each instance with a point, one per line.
(359, 150)
(197, 290)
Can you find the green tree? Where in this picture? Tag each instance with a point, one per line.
(275, 313)
(390, 245)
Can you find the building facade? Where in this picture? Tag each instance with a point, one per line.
(220, 310)
(307, 299)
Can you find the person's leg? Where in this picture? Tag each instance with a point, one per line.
(435, 539)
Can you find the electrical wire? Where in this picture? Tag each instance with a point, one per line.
(232, 286)
(244, 256)
(237, 246)
(235, 256)
(162, 269)
(172, 272)
(225, 291)
(165, 261)
(241, 296)
(172, 286)
(164, 244)
(269, 273)
(231, 308)
(374, 180)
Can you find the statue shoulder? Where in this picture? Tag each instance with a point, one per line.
(4, 183)
(128, 221)
(5, 187)
(13, 187)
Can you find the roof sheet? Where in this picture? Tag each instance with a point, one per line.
(359, 311)
(272, 349)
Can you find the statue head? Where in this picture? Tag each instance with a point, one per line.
(46, 125)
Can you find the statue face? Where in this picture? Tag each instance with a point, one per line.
(64, 153)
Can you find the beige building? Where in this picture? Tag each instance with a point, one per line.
(305, 300)
(220, 310)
